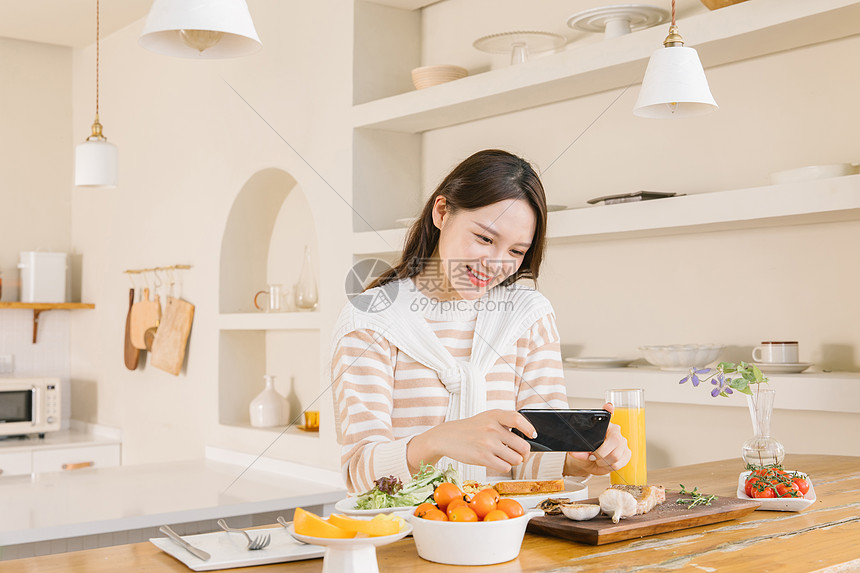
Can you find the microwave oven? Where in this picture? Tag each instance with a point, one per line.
(29, 406)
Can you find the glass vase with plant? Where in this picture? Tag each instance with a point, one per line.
(761, 450)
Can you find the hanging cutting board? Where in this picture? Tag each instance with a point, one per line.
(132, 354)
(668, 516)
(171, 338)
(144, 314)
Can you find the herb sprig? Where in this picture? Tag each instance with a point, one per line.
(695, 498)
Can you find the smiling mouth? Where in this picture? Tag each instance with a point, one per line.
(477, 278)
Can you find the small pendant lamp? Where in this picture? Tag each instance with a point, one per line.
(96, 159)
(208, 29)
(674, 83)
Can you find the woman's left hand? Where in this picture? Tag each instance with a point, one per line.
(613, 454)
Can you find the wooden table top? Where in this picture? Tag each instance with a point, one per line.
(825, 535)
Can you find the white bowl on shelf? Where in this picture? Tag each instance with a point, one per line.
(813, 172)
(681, 356)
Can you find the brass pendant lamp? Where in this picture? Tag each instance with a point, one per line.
(96, 160)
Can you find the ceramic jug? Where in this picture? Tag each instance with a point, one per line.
(269, 408)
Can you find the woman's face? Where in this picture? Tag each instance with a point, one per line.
(479, 249)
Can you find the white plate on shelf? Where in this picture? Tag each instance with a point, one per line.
(573, 490)
(230, 549)
(782, 368)
(598, 362)
(779, 503)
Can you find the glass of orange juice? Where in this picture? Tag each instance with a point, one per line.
(630, 416)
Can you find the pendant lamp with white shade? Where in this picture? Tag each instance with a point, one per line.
(95, 159)
(208, 29)
(674, 83)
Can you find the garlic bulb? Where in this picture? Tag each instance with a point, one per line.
(580, 511)
(617, 504)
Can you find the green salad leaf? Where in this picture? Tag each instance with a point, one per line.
(416, 491)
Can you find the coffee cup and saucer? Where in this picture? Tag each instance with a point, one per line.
(778, 358)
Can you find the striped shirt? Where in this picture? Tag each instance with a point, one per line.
(383, 396)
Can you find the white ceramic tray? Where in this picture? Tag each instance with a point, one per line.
(779, 503)
(228, 550)
(572, 489)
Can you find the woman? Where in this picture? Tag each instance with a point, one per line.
(445, 347)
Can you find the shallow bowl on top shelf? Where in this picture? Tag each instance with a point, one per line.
(427, 76)
(681, 356)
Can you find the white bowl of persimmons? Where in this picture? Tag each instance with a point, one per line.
(459, 529)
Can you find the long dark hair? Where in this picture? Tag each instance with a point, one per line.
(482, 179)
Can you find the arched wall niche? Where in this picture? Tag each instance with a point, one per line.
(269, 225)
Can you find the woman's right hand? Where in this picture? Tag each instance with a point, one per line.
(483, 440)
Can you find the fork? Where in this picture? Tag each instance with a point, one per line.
(253, 543)
(286, 524)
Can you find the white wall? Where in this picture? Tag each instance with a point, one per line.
(35, 196)
(737, 288)
(188, 143)
(35, 153)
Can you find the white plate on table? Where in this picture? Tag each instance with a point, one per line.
(229, 549)
(573, 490)
(782, 367)
(779, 503)
(354, 554)
(598, 362)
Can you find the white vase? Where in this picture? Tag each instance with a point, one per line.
(269, 408)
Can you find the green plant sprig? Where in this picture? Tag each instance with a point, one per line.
(727, 377)
(695, 498)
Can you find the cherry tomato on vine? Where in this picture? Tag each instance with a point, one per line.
(750, 485)
(802, 485)
(785, 490)
(763, 493)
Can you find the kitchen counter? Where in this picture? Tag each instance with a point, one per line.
(54, 506)
(54, 440)
(824, 536)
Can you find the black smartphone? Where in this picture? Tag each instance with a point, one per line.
(566, 430)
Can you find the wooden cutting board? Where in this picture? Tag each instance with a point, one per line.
(171, 338)
(145, 314)
(668, 516)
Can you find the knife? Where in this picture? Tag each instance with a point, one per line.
(199, 553)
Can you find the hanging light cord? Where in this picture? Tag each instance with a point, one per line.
(97, 126)
(97, 53)
(674, 38)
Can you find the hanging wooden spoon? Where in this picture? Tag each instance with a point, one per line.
(131, 354)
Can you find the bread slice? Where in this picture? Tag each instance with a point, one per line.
(647, 496)
(526, 487)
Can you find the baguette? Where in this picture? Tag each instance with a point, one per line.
(525, 487)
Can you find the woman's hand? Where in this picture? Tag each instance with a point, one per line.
(483, 440)
(613, 454)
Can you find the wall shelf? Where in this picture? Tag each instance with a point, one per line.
(39, 307)
(270, 321)
(743, 31)
(824, 200)
(834, 391)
